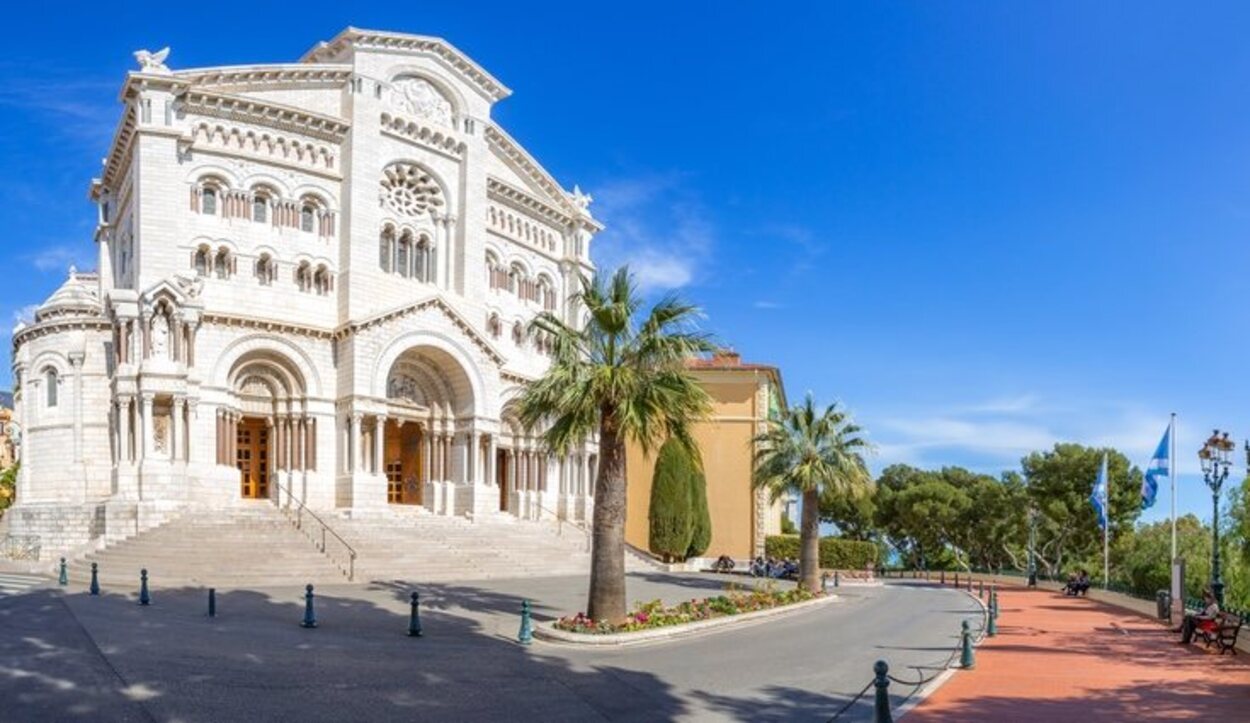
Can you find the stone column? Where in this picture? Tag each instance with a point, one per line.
(146, 434)
(123, 405)
(354, 429)
(192, 413)
(379, 444)
(301, 443)
(492, 459)
(75, 362)
(175, 433)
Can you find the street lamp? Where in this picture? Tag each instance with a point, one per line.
(1215, 460)
(1032, 547)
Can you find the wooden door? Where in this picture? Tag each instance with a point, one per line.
(252, 458)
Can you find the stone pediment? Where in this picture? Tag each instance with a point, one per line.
(435, 304)
(536, 179)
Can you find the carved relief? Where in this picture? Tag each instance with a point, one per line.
(160, 434)
(417, 97)
(409, 191)
(404, 388)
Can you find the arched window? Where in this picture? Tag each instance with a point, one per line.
(201, 261)
(260, 208)
(303, 276)
(421, 262)
(403, 255)
(306, 215)
(265, 270)
(208, 201)
(321, 281)
(50, 379)
(222, 263)
(386, 249)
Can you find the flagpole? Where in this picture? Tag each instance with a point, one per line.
(1106, 524)
(1172, 475)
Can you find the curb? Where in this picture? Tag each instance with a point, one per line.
(932, 686)
(547, 631)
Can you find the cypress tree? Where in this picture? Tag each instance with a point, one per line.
(701, 535)
(670, 517)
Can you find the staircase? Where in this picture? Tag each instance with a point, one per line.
(252, 546)
(416, 546)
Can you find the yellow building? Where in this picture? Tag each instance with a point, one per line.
(743, 396)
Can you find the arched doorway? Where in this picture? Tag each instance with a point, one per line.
(426, 446)
(268, 430)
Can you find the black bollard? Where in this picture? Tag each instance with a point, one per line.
(95, 580)
(981, 589)
(836, 580)
(212, 602)
(144, 597)
(310, 620)
(942, 579)
(956, 581)
(414, 619)
(881, 706)
(63, 578)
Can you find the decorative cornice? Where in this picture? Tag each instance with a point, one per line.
(523, 162)
(249, 322)
(252, 110)
(287, 74)
(501, 190)
(65, 323)
(118, 159)
(423, 135)
(438, 48)
(514, 378)
(437, 302)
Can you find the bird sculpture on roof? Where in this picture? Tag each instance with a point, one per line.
(150, 62)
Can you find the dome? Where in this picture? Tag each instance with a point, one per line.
(78, 295)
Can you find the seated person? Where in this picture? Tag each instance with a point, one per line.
(759, 568)
(1203, 620)
(724, 563)
(1082, 582)
(1072, 586)
(790, 569)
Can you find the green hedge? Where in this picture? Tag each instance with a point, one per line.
(835, 553)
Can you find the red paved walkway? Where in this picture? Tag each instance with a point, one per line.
(1066, 659)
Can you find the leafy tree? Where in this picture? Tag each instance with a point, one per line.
(701, 518)
(787, 526)
(671, 516)
(1059, 485)
(1141, 560)
(623, 377)
(852, 515)
(814, 453)
(8, 486)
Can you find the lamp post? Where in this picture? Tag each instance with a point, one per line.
(1032, 547)
(1215, 460)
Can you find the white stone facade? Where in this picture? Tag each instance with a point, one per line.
(314, 281)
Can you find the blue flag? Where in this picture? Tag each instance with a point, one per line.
(1099, 496)
(1159, 468)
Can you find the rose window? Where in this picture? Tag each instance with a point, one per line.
(409, 191)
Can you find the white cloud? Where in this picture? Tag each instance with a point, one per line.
(655, 226)
(765, 304)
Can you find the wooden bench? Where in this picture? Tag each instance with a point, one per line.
(1224, 633)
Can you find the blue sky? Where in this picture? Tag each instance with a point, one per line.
(985, 227)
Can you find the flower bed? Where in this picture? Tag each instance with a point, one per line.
(651, 615)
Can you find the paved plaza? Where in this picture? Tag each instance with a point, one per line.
(1059, 658)
(67, 656)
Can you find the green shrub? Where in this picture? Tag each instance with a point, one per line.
(835, 553)
(787, 525)
(701, 520)
(671, 521)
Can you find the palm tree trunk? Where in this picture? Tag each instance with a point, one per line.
(809, 543)
(607, 553)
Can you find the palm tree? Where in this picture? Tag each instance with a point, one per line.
(627, 381)
(814, 454)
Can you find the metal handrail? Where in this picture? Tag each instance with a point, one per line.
(560, 520)
(298, 521)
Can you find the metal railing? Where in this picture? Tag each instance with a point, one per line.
(321, 534)
(561, 521)
(21, 547)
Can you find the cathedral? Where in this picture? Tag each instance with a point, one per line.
(314, 285)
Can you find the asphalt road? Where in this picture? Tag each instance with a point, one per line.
(73, 657)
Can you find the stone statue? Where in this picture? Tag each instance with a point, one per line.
(581, 200)
(160, 337)
(160, 434)
(417, 97)
(150, 62)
